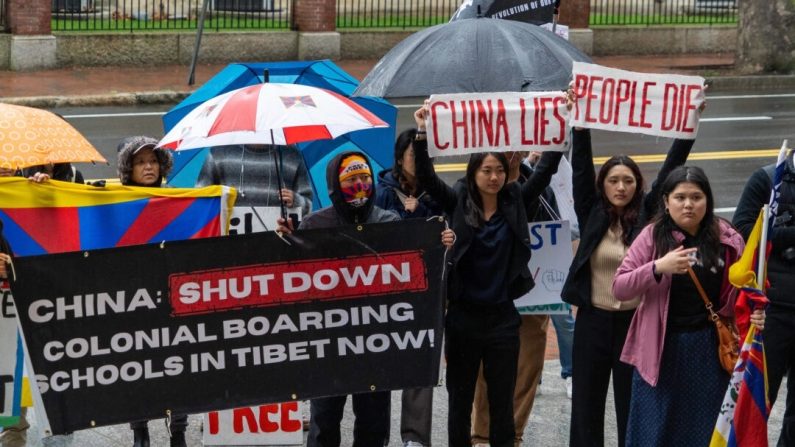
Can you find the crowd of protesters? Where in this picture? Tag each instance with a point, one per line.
(644, 263)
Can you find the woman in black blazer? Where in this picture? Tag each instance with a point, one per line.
(488, 271)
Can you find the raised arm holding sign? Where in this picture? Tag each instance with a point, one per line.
(654, 104)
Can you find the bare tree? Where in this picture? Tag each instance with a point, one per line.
(766, 36)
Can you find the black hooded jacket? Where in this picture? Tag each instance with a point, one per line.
(387, 198)
(340, 213)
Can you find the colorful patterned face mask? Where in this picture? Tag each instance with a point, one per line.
(357, 194)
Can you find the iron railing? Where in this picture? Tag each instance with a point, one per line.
(663, 12)
(394, 13)
(165, 15)
(168, 15)
(2, 15)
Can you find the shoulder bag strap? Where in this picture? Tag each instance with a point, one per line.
(707, 303)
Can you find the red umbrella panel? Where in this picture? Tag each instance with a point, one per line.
(279, 114)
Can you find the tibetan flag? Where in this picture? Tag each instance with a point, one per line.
(55, 216)
(742, 421)
(743, 416)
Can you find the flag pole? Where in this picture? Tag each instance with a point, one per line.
(762, 254)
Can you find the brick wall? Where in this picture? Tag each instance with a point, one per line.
(315, 15)
(575, 13)
(28, 17)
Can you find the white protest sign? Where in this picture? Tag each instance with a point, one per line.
(664, 105)
(10, 360)
(560, 30)
(466, 123)
(551, 246)
(273, 424)
(256, 219)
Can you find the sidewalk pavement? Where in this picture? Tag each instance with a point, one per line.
(96, 86)
(548, 425)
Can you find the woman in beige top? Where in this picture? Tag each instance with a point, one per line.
(611, 209)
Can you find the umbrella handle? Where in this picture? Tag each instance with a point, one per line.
(278, 162)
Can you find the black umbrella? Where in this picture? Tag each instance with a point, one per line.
(530, 11)
(473, 55)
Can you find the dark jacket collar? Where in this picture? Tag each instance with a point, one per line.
(348, 213)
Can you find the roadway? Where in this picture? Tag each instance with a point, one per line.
(739, 133)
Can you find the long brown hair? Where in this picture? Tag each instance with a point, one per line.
(628, 217)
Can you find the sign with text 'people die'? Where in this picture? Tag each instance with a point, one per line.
(665, 105)
(466, 123)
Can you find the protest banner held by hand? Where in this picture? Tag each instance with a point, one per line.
(654, 104)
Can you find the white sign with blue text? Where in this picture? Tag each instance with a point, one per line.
(551, 245)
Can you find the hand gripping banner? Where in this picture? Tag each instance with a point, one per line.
(130, 333)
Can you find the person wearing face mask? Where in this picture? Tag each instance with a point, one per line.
(141, 163)
(350, 184)
(611, 210)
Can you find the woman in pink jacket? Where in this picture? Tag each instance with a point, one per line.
(678, 383)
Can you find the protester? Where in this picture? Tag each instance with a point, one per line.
(350, 185)
(611, 210)
(779, 334)
(252, 170)
(141, 163)
(489, 270)
(399, 191)
(678, 382)
(532, 343)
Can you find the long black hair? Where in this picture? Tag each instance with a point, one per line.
(708, 235)
(401, 146)
(627, 217)
(473, 211)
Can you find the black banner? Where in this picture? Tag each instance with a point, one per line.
(129, 333)
(537, 12)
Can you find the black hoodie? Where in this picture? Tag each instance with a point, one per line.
(340, 213)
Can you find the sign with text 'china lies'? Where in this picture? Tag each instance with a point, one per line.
(466, 123)
(228, 322)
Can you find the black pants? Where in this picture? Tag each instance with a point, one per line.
(371, 428)
(599, 337)
(178, 423)
(489, 334)
(780, 354)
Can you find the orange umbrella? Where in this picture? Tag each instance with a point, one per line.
(30, 137)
